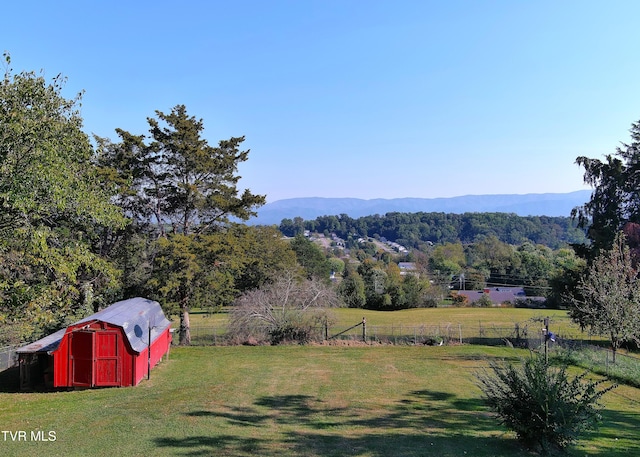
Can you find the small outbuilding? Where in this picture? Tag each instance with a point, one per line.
(113, 347)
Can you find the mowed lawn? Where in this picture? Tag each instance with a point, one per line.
(296, 401)
(417, 316)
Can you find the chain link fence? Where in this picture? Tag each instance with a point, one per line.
(8, 357)
(517, 335)
(601, 359)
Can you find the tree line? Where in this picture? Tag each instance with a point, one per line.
(417, 230)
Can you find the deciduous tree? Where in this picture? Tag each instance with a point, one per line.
(311, 257)
(608, 298)
(351, 289)
(51, 206)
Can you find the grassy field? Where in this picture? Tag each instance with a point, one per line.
(469, 320)
(296, 401)
(416, 316)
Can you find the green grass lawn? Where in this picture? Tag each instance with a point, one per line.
(416, 316)
(296, 401)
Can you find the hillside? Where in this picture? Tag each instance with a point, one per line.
(548, 204)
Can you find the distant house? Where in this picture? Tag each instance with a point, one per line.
(497, 295)
(113, 347)
(407, 268)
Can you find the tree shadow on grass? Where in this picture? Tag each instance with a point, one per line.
(421, 423)
(616, 434)
(417, 444)
(425, 422)
(229, 445)
(244, 417)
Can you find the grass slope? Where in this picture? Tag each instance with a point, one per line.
(296, 401)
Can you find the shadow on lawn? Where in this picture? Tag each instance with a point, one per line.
(611, 441)
(424, 423)
(213, 445)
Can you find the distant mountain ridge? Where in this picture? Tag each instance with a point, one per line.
(548, 204)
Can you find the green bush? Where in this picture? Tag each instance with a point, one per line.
(290, 334)
(483, 302)
(545, 408)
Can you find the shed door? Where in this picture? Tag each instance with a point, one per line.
(81, 359)
(108, 358)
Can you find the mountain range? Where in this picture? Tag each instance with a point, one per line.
(548, 204)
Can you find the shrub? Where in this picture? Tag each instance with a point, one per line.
(545, 408)
(483, 302)
(290, 334)
(458, 300)
(284, 311)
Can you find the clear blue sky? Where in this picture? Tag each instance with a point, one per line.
(356, 98)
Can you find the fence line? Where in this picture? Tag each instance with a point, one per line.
(603, 357)
(425, 334)
(8, 357)
(449, 333)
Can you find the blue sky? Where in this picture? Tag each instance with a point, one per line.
(356, 98)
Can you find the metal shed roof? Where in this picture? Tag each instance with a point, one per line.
(134, 315)
(47, 344)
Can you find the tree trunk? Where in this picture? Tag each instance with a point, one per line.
(185, 327)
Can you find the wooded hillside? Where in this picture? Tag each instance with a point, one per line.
(416, 229)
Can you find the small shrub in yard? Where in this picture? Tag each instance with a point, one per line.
(284, 334)
(547, 410)
(284, 311)
(483, 302)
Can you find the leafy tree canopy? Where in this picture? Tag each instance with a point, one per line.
(420, 230)
(51, 210)
(608, 296)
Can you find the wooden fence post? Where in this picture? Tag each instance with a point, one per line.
(364, 329)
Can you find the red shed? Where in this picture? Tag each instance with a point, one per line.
(113, 347)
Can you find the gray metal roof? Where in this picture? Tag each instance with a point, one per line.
(47, 344)
(134, 315)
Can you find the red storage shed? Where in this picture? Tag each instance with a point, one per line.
(113, 347)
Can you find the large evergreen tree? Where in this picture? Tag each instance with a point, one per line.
(615, 200)
(186, 190)
(197, 183)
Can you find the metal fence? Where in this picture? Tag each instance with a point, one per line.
(602, 358)
(530, 336)
(426, 334)
(8, 357)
